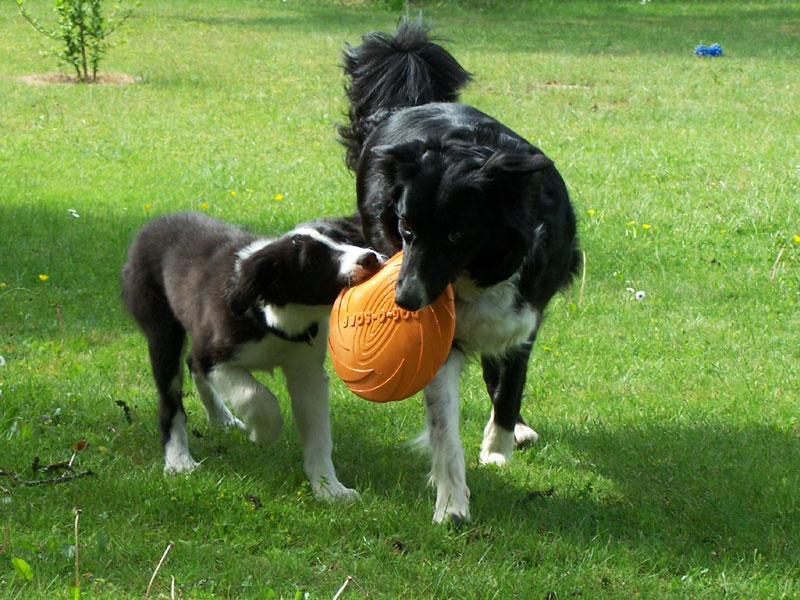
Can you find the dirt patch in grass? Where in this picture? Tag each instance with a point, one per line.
(71, 78)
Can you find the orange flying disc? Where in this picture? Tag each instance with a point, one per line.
(381, 351)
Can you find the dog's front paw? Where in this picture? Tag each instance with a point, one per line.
(227, 421)
(452, 507)
(494, 458)
(497, 446)
(179, 463)
(264, 434)
(524, 435)
(334, 491)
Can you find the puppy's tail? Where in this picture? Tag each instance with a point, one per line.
(388, 72)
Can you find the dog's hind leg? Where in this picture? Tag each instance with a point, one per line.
(251, 401)
(308, 388)
(448, 472)
(218, 413)
(166, 343)
(505, 381)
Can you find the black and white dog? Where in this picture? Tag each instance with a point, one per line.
(248, 303)
(469, 202)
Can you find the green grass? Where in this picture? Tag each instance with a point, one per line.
(669, 426)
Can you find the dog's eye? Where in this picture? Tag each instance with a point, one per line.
(404, 230)
(454, 237)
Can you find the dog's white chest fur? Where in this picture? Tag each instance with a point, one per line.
(270, 351)
(490, 320)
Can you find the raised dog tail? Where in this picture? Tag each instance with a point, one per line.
(388, 72)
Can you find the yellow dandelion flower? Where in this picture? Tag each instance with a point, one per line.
(44, 277)
(2, 284)
(204, 205)
(233, 192)
(591, 211)
(646, 226)
(797, 239)
(630, 223)
(147, 207)
(278, 196)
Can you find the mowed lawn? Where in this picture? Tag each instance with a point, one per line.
(669, 451)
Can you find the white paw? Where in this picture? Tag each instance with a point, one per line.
(334, 491)
(179, 463)
(227, 421)
(453, 506)
(497, 446)
(494, 458)
(524, 435)
(265, 434)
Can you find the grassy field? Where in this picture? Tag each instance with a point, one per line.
(669, 450)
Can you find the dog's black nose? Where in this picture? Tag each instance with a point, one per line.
(369, 261)
(406, 298)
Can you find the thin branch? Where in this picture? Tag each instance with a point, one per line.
(124, 18)
(53, 35)
(158, 566)
(342, 589)
(124, 445)
(350, 579)
(775, 266)
(60, 479)
(78, 512)
(61, 325)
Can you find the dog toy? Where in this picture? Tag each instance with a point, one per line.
(381, 351)
(712, 50)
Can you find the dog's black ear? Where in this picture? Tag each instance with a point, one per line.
(399, 161)
(259, 277)
(503, 165)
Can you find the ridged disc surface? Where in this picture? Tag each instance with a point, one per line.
(383, 352)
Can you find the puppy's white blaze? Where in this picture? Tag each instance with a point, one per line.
(498, 444)
(253, 247)
(176, 450)
(244, 253)
(490, 319)
(349, 269)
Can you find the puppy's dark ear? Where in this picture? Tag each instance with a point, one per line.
(259, 277)
(503, 165)
(401, 161)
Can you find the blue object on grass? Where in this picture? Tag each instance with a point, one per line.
(712, 50)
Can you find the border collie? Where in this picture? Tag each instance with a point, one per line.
(469, 202)
(247, 303)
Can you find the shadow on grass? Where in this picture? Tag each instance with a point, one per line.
(678, 494)
(696, 491)
(675, 493)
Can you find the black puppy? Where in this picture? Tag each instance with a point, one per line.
(469, 202)
(248, 303)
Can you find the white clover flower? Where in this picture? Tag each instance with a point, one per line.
(640, 295)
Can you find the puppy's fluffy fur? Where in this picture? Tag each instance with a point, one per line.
(469, 202)
(248, 303)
